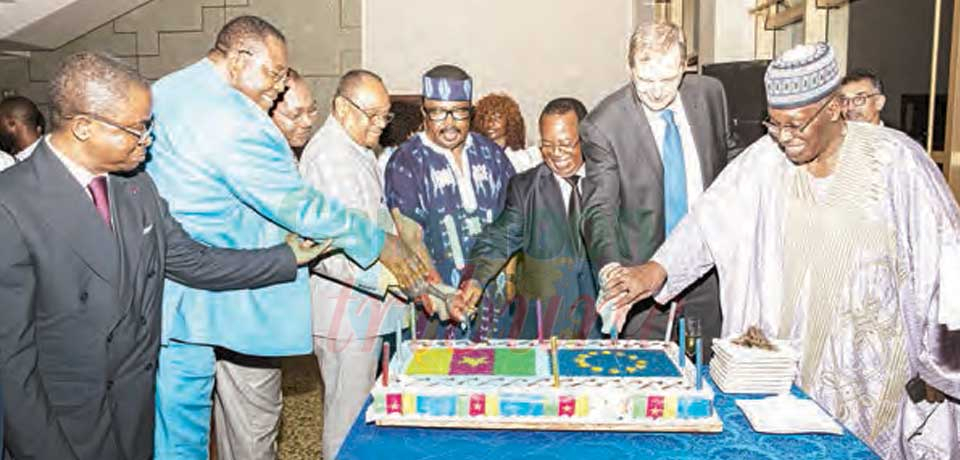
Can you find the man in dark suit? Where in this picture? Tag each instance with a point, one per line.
(651, 148)
(541, 219)
(82, 261)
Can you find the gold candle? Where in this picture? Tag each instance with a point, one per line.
(556, 363)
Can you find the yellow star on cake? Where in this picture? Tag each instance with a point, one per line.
(473, 361)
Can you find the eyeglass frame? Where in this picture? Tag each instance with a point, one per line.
(141, 136)
(311, 114)
(386, 119)
(863, 98)
(773, 128)
(281, 77)
(559, 148)
(448, 113)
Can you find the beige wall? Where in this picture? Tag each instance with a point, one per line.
(164, 35)
(533, 49)
(728, 33)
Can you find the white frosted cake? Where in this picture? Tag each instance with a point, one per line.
(603, 385)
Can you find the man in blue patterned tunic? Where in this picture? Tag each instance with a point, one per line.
(451, 182)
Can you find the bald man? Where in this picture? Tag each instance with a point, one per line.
(295, 112)
(21, 126)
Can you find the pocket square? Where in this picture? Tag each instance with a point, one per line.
(148, 229)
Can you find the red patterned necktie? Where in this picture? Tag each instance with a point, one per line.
(98, 190)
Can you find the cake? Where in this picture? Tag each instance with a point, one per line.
(625, 385)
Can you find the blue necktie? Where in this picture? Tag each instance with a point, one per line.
(674, 174)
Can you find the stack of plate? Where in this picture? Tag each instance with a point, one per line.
(738, 369)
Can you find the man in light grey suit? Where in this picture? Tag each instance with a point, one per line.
(87, 242)
(651, 148)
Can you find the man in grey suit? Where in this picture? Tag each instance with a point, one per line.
(651, 148)
(86, 244)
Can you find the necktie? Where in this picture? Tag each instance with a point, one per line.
(674, 174)
(98, 190)
(573, 213)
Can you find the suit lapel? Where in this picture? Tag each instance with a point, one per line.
(128, 221)
(128, 226)
(68, 211)
(698, 119)
(649, 152)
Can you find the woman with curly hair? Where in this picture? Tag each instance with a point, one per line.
(498, 117)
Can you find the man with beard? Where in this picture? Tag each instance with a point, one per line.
(450, 182)
(231, 179)
(541, 221)
(844, 239)
(295, 112)
(861, 93)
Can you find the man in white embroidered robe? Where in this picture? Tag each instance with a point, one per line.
(844, 238)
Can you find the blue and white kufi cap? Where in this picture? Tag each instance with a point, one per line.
(447, 89)
(801, 76)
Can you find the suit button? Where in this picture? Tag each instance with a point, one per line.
(109, 385)
(151, 273)
(143, 320)
(148, 367)
(83, 296)
(110, 337)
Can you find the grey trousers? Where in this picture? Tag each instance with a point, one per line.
(348, 369)
(247, 403)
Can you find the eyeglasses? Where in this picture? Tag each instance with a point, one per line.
(858, 100)
(142, 134)
(459, 113)
(776, 130)
(565, 149)
(307, 116)
(384, 119)
(276, 76)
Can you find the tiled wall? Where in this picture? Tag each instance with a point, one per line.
(164, 35)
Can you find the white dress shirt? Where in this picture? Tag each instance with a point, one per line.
(25, 153)
(690, 158)
(6, 160)
(566, 189)
(524, 159)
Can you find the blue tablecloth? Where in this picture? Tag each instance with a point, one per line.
(738, 441)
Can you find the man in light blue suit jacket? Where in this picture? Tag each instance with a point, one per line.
(230, 179)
